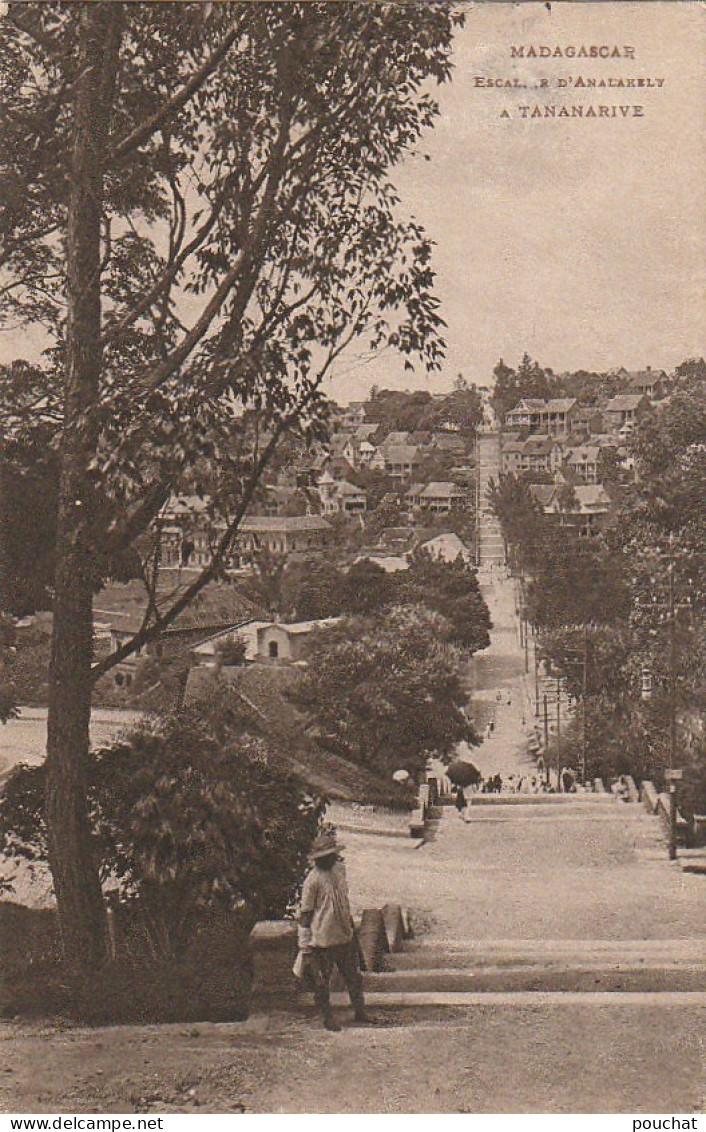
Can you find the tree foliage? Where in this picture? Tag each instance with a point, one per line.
(387, 694)
(450, 589)
(242, 225)
(194, 812)
(197, 206)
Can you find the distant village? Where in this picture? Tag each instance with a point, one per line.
(378, 492)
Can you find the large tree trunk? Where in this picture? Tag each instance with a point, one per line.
(76, 882)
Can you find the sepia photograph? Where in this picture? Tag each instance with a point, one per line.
(352, 560)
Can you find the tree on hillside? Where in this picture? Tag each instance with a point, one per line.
(193, 813)
(29, 480)
(264, 586)
(450, 589)
(196, 206)
(312, 588)
(386, 695)
(528, 380)
(461, 409)
(367, 587)
(523, 522)
(395, 411)
(574, 582)
(374, 482)
(691, 371)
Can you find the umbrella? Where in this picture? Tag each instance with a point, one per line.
(463, 773)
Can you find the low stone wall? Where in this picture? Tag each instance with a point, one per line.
(373, 939)
(649, 796)
(663, 810)
(273, 945)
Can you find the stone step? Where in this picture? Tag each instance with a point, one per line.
(591, 978)
(461, 999)
(574, 800)
(477, 953)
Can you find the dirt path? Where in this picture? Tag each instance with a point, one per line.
(507, 1059)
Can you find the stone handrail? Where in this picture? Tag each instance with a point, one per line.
(649, 796)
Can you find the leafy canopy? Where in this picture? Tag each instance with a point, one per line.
(195, 812)
(251, 232)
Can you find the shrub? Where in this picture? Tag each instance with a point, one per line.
(190, 814)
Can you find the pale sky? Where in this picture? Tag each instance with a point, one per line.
(580, 241)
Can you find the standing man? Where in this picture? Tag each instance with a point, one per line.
(327, 936)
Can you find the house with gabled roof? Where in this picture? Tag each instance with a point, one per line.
(394, 440)
(583, 461)
(623, 412)
(122, 608)
(511, 446)
(402, 461)
(538, 454)
(441, 497)
(590, 512)
(281, 534)
(352, 415)
(448, 547)
(559, 415)
(527, 413)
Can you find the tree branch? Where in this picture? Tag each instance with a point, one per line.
(168, 109)
(149, 632)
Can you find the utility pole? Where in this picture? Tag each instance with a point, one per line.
(546, 724)
(536, 682)
(584, 687)
(558, 707)
(672, 669)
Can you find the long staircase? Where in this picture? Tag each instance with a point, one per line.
(490, 545)
(457, 969)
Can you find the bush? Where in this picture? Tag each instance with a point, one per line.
(192, 814)
(231, 652)
(212, 982)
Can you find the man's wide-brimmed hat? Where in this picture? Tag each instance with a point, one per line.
(324, 846)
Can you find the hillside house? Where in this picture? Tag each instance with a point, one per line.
(402, 461)
(623, 412)
(281, 535)
(560, 415)
(121, 608)
(441, 497)
(395, 440)
(449, 442)
(281, 643)
(447, 546)
(339, 496)
(353, 415)
(526, 414)
(649, 382)
(539, 453)
(583, 462)
(556, 417)
(590, 513)
(511, 448)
